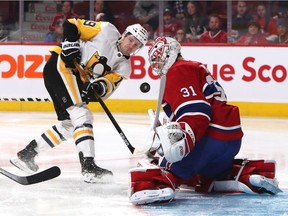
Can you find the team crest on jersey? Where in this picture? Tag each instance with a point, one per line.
(96, 66)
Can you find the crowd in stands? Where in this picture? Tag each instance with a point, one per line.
(253, 22)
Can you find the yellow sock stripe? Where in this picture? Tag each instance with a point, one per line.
(82, 132)
(55, 138)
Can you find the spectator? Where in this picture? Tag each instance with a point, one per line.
(101, 12)
(150, 32)
(56, 36)
(3, 31)
(170, 26)
(268, 25)
(282, 31)
(147, 12)
(179, 7)
(240, 20)
(181, 36)
(66, 13)
(194, 21)
(254, 35)
(215, 34)
(281, 9)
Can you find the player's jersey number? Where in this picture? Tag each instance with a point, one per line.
(89, 23)
(186, 92)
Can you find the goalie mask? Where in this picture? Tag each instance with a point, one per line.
(163, 53)
(138, 32)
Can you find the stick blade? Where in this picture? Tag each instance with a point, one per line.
(44, 175)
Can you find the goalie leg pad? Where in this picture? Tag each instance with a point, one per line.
(250, 184)
(152, 196)
(261, 167)
(252, 177)
(150, 185)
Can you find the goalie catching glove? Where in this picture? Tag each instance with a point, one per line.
(70, 51)
(177, 140)
(98, 87)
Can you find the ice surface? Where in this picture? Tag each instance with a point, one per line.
(69, 195)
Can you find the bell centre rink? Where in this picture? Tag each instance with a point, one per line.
(68, 194)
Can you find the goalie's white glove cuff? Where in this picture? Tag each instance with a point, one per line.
(176, 143)
(188, 132)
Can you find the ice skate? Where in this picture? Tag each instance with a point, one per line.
(25, 159)
(93, 173)
(264, 185)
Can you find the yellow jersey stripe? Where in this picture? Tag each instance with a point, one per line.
(70, 82)
(88, 29)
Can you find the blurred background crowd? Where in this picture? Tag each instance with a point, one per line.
(238, 22)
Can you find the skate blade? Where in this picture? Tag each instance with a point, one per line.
(152, 196)
(104, 179)
(21, 165)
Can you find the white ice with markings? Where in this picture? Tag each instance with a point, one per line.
(69, 195)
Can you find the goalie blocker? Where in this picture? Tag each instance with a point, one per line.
(151, 184)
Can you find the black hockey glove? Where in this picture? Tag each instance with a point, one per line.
(70, 51)
(89, 90)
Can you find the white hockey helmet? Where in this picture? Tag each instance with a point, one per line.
(163, 53)
(138, 32)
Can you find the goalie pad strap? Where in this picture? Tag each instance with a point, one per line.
(261, 167)
(151, 178)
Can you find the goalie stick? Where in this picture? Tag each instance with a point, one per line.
(109, 114)
(45, 175)
(160, 98)
(154, 118)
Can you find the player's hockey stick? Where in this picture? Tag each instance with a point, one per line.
(45, 175)
(114, 122)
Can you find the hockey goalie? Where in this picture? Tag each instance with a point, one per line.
(196, 138)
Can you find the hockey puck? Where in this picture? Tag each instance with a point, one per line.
(145, 87)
